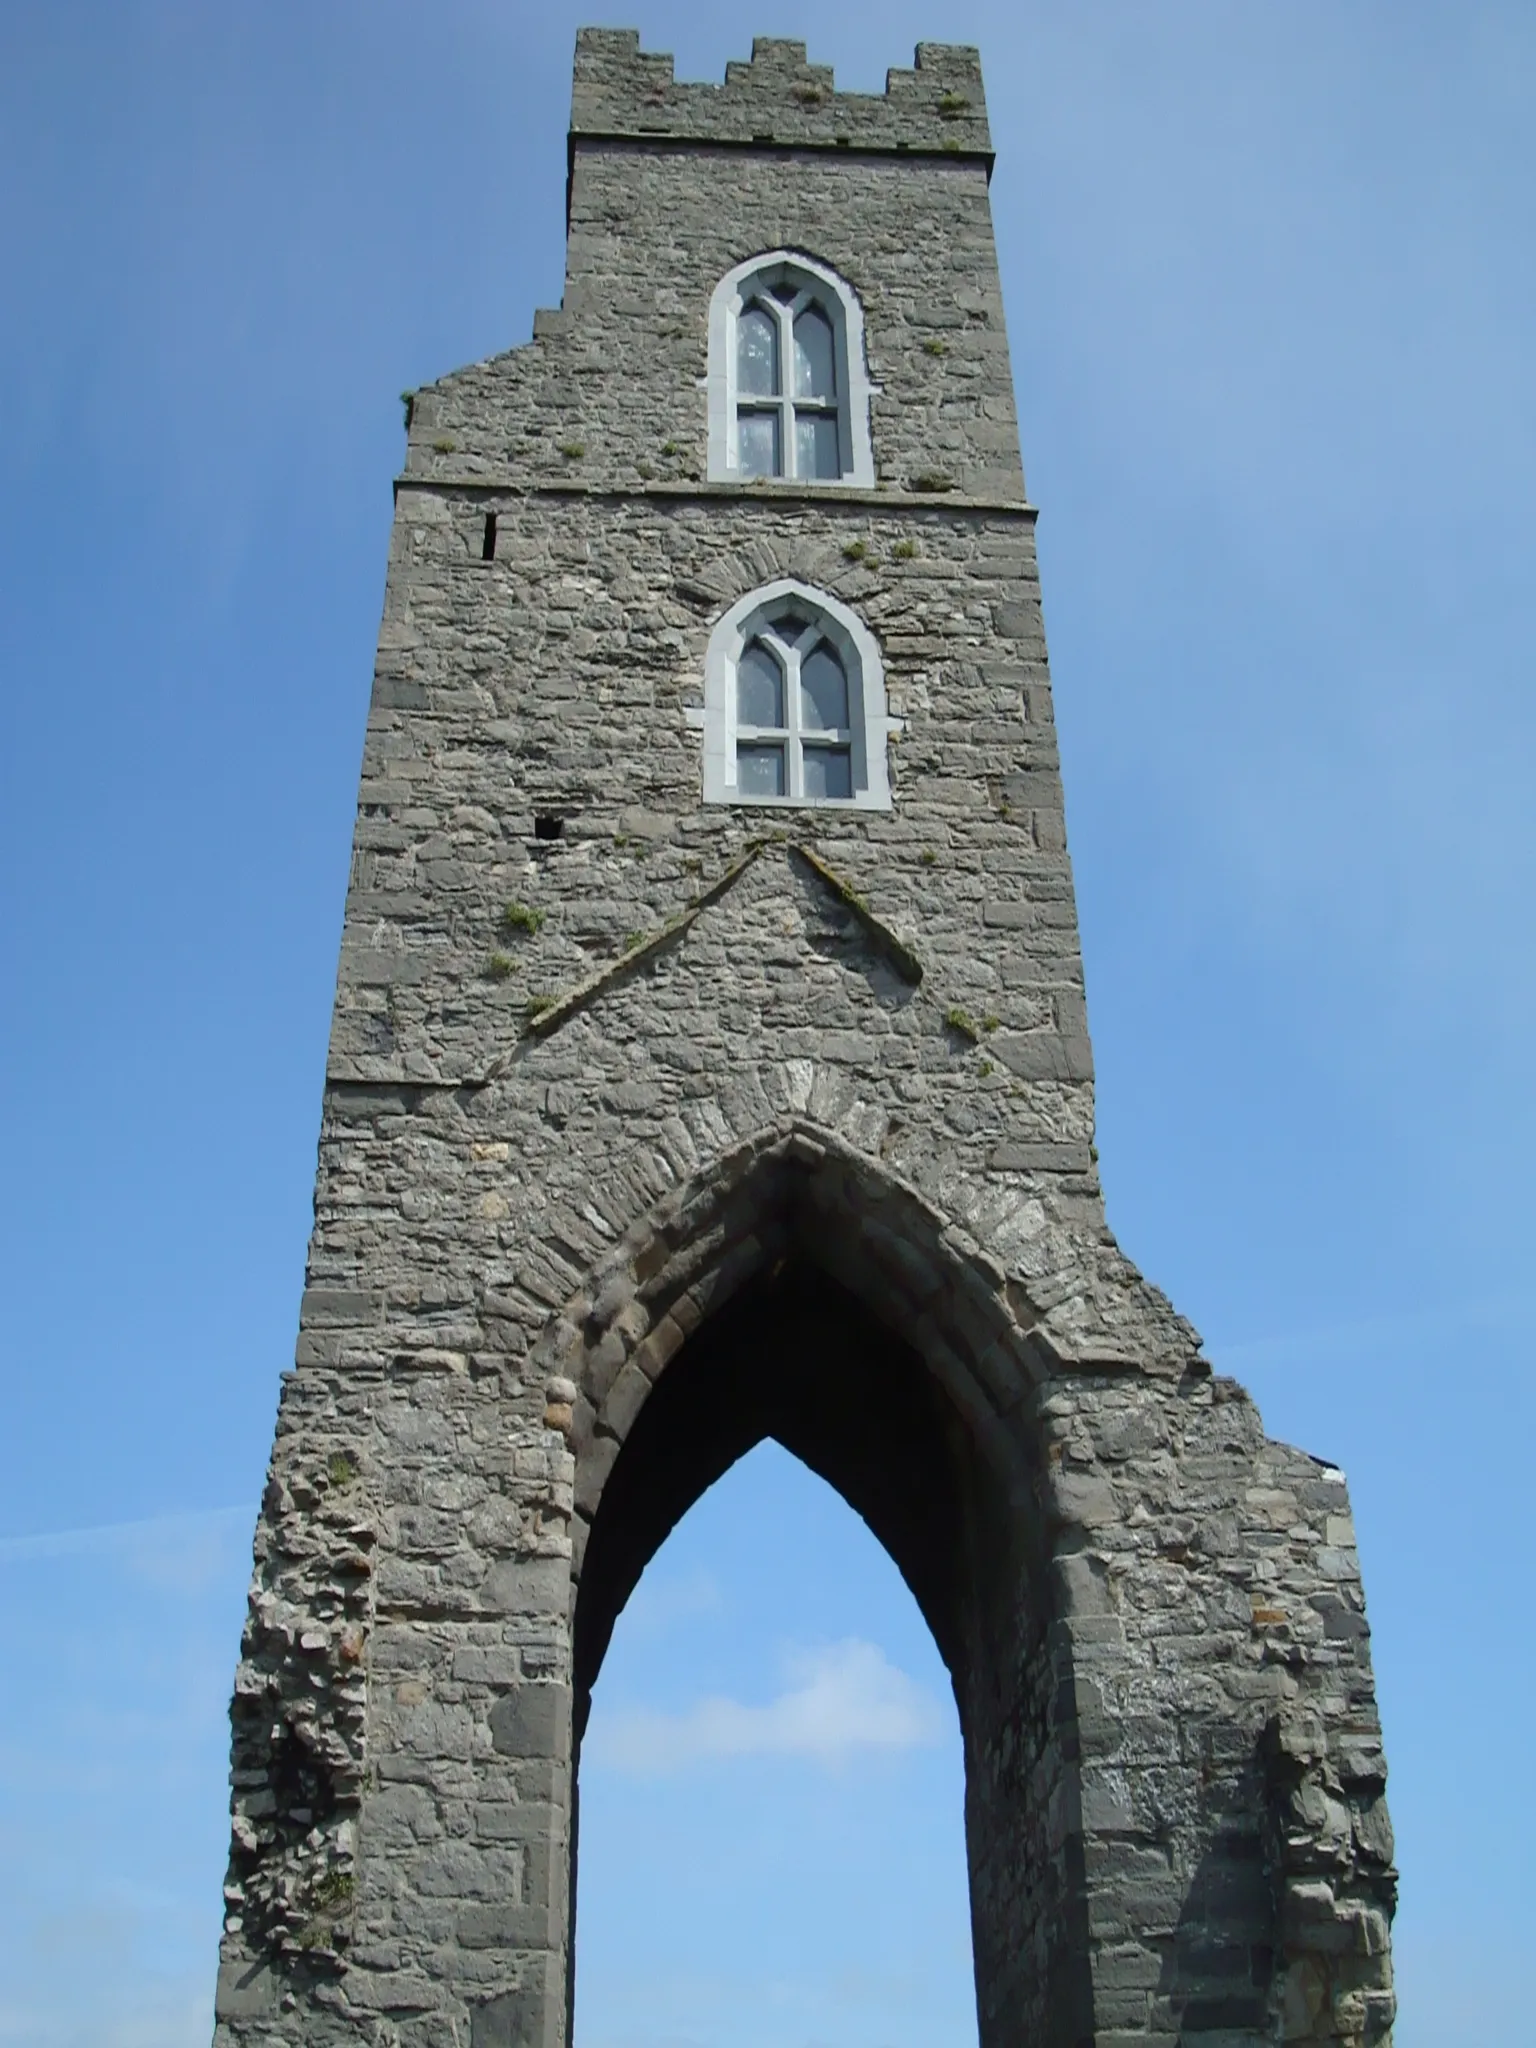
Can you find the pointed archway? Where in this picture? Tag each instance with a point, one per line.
(798, 1294)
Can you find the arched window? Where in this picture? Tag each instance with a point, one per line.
(794, 704)
(788, 390)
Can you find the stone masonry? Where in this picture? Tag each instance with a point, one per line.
(653, 1128)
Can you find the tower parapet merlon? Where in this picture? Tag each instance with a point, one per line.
(778, 97)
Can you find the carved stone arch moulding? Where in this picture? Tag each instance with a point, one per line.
(682, 1261)
(816, 561)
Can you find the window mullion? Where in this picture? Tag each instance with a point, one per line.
(793, 762)
(786, 387)
(732, 396)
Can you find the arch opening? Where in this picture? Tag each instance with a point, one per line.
(794, 1358)
(831, 1339)
(773, 1842)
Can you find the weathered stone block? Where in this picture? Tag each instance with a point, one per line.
(533, 1721)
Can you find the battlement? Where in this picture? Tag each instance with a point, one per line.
(778, 97)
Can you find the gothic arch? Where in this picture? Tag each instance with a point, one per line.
(796, 1290)
(840, 303)
(858, 651)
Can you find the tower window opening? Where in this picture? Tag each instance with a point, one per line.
(795, 707)
(789, 395)
(488, 539)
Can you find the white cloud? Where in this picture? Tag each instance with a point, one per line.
(841, 1698)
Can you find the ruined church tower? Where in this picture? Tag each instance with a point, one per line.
(710, 1063)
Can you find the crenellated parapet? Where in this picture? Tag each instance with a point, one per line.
(780, 98)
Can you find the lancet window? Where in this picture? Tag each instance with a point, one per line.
(789, 396)
(795, 707)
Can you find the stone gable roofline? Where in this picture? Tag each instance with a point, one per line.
(778, 99)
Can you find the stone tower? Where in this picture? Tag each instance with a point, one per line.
(709, 1063)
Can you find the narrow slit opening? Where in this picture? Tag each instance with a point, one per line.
(488, 539)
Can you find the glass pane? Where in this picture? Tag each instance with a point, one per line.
(816, 444)
(823, 692)
(786, 291)
(789, 626)
(760, 771)
(828, 772)
(815, 357)
(757, 443)
(757, 354)
(759, 688)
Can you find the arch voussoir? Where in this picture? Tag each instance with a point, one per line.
(794, 1189)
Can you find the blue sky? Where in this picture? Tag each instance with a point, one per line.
(1269, 279)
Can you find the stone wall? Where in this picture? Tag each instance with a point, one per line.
(778, 99)
(607, 392)
(628, 1096)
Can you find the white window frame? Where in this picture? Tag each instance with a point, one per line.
(816, 283)
(870, 725)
